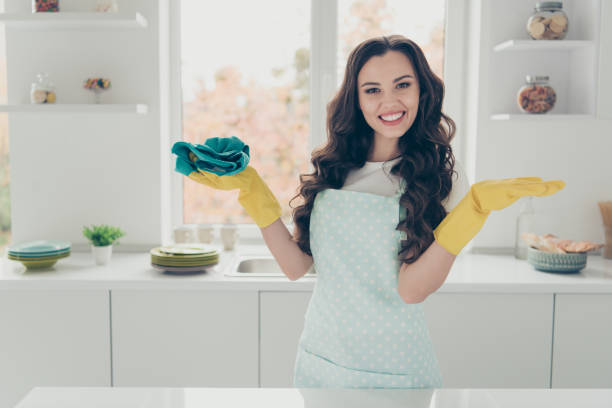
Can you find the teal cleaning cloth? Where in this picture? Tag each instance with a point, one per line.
(223, 156)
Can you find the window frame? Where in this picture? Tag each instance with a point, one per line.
(323, 77)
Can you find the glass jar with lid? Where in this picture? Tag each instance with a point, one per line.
(43, 90)
(548, 21)
(536, 95)
(39, 6)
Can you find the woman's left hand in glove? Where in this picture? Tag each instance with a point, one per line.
(467, 218)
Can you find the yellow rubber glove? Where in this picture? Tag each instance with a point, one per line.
(467, 218)
(255, 196)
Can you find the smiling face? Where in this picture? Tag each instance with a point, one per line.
(388, 91)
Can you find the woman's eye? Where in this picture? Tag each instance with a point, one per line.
(376, 90)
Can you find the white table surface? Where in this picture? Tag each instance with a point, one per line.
(470, 273)
(140, 397)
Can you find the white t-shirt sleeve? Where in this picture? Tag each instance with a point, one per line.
(459, 189)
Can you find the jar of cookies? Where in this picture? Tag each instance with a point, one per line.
(45, 5)
(536, 96)
(43, 91)
(548, 22)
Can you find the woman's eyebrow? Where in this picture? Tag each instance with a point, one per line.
(395, 80)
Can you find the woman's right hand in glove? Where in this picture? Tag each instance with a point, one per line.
(255, 196)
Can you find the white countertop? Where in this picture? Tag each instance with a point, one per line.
(128, 397)
(470, 273)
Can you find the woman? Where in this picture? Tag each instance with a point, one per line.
(381, 223)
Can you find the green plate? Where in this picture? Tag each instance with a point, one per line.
(39, 265)
(41, 247)
(159, 253)
(47, 263)
(183, 260)
(38, 259)
(187, 250)
(171, 262)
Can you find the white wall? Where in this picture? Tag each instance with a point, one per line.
(575, 151)
(73, 170)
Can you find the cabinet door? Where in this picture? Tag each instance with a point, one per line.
(282, 322)
(582, 347)
(185, 338)
(492, 340)
(52, 338)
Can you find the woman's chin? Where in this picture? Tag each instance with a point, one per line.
(396, 134)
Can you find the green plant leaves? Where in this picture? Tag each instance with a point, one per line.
(102, 235)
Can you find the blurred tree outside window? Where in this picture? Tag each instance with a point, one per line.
(256, 86)
(422, 22)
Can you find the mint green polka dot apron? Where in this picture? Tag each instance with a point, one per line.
(358, 332)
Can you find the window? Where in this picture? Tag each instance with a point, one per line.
(245, 74)
(422, 22)
(249, 74)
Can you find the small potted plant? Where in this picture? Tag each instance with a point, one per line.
(102, 238)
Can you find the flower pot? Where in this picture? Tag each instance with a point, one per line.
(102, 254)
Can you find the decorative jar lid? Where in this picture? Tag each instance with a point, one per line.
(549, 5)
(536, 78)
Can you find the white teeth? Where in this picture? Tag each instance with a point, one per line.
(391, 118)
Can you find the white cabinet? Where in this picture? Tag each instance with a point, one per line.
(52, 338)
(481, 340)
(185, 338)
(582, 348)
(281, 325)
(491, 340)
(211, 338)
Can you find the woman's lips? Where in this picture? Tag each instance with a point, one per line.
(393, 122)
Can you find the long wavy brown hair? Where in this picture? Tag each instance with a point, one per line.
(427, 161)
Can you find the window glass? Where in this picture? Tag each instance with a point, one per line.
(420, 21)
(246, 76)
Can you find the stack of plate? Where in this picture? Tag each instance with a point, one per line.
(39, 254)
(184, 259)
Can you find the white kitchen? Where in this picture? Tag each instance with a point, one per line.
(126, 281)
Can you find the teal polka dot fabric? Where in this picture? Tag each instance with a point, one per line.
(358, 332)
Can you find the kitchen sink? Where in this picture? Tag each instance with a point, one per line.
(258, 266)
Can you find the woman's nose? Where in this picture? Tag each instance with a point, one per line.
(389, 98)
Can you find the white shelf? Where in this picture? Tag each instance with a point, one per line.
(539, 116)
(535, 45)
(67, 20)
(59, 108)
